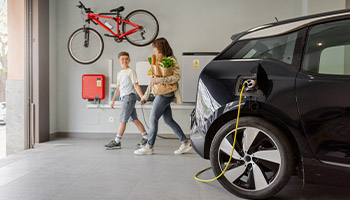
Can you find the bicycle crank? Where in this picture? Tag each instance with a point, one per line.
(142, 32)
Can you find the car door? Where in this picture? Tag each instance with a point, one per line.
(323, 91)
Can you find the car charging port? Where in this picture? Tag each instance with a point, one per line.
(256, 84)
(251, 86)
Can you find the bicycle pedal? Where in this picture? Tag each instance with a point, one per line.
(110, 35)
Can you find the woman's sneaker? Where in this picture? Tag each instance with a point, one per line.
(113, 145)
(183, 149)
(142, 143)
(144, 151)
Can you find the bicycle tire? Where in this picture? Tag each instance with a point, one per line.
(78, 53)
(149, 23)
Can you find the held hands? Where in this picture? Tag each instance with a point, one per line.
(143, 101)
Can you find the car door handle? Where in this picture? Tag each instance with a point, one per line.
(311, 78)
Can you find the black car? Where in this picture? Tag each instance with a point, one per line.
(295, 113)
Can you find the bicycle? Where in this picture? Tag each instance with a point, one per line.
(139, 27)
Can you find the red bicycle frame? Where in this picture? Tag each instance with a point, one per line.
(95, 17)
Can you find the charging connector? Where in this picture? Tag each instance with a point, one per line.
(249, 84)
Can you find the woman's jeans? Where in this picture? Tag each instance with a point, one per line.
(161, 106)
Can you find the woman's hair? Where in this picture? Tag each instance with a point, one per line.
(163, 46)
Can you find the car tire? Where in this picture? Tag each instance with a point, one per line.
(262, 162)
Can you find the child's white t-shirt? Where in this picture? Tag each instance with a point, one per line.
(126, 79)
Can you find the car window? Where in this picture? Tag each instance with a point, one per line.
(286, 48)
(328, 49)
(278, 48)
(333, 60)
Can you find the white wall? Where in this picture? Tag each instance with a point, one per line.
(317, 6)
(196, 25)
(53, 66)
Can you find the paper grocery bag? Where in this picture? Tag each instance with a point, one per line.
(161, 88)
(160, 71)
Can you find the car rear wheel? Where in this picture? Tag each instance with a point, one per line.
(262, 162)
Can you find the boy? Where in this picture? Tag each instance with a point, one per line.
(127, 86)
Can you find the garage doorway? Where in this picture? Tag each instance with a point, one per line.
(3, 75)
(15, 75)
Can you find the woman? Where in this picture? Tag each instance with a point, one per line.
(161, 103)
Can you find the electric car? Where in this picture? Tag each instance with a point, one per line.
(295, 109)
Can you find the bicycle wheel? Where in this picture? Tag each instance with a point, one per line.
(85, 45)
(145, 35)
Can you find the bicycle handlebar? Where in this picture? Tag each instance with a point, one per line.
(81, 5)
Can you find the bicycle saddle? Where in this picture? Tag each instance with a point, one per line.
(119, 9)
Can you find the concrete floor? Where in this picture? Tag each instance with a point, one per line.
(80, 168)
(2, 141)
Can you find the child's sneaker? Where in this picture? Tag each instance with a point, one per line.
(144, 151)
(183, 149)
(142, 143)
(113, 145)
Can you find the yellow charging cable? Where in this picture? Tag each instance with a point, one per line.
(233, 147)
